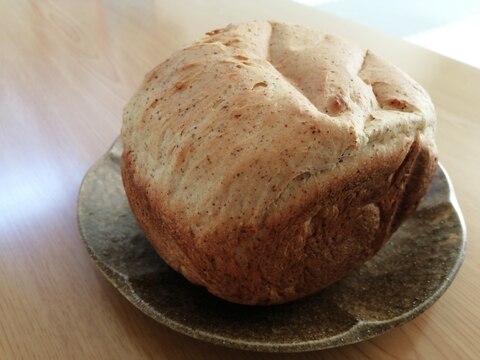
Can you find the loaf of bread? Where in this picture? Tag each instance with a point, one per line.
(266, 161)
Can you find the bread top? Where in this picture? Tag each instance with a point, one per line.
(244, 126)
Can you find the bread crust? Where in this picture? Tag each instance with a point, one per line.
(342, 170)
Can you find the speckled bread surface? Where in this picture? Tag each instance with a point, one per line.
(266, 160)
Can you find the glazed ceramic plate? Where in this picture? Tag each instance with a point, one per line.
(406, 277)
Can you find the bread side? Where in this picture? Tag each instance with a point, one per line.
(267, 160)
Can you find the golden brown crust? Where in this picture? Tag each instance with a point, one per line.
(313, 249)
(287, 188)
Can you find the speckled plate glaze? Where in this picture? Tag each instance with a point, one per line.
(405, 278)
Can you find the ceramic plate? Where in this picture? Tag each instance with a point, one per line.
(406, 277)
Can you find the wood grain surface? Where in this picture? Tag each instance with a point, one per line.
(66, 70)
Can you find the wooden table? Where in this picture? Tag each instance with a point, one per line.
(66, 70)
